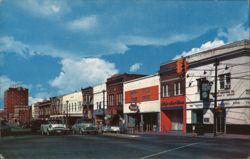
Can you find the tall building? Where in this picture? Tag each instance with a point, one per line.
(15, 96)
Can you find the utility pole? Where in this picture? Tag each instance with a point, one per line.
(215, 95)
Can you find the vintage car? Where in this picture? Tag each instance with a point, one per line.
(83, 127)
(53, 127)
(111, 129)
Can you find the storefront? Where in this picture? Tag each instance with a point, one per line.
(173, 112)
(142, 104)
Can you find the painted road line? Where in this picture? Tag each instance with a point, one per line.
(162, 152)
(1, 156)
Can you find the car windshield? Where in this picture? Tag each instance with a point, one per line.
(55, 121)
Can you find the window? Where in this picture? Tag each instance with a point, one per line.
(197, 116)
(119, 99)
(177, 88)
(165, 90)
(225, 81)
(111, 100)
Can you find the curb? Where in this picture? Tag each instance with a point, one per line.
(121, 135)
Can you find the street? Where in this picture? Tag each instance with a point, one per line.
(100, 146)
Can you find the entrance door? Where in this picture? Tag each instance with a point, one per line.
(177, 120)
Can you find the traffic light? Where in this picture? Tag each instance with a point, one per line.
(204, 90)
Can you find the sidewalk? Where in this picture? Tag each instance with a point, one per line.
(206, 135)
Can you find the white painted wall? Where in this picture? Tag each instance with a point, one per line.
(234, 113)
(74, 98)
(98, 95)
(148, 81)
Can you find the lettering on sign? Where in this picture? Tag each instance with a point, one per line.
(172, 103)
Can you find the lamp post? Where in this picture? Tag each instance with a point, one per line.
(67, 113)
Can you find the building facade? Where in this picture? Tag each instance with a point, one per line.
(43, 109)
(22, 114)
(173, 105)
(99, 103)
(72, 107)
(57, 109)
(87, 96)
(114, 86)
(15, 96)
(141, 106)
(232, 114)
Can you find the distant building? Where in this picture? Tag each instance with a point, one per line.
(22, 114)
(114, 86)
(99, 103)
(87, 96)
(15, 96)
(57, 108)
(43, 109)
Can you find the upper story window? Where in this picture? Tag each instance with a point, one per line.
(225, 81)
(119, 99)
(165, 92)
(177, 88)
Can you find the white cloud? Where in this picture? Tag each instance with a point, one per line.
(135, 67)
(33, 100)
(82, 73)
(235, 33)
(121, 44)
(206, 46)
(5, 83)
(9, 44)
(44, 7)
(83, 23)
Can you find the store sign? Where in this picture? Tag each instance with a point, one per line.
(133, 107)
(174, 101)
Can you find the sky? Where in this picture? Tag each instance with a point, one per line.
(53, 47)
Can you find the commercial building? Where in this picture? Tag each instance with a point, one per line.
(43, 109)
(100, 103)
(87, 96)
(72, 107)
(22, 114)
(141, 106)
(57, 109)
(173, 105)
(229, 65)
(15, 96)
(114, 86)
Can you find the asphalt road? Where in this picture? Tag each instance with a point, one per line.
(147, 146)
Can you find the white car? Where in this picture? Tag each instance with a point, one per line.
(53, 127)
(83, 127)
(112, 129)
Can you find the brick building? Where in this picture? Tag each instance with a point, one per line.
(87, 96)
(114, 86)
(15, 96)
(44, 109)
(173, 106)
(22, 114)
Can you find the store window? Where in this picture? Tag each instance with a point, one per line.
(197, 116)
(225, 81)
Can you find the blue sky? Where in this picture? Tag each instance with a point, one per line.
(54, 47)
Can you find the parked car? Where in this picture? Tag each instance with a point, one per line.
(5, 129)
(83, 127)
(111, 129)
(53, 127)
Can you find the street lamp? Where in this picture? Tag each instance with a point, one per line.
(67, 114)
